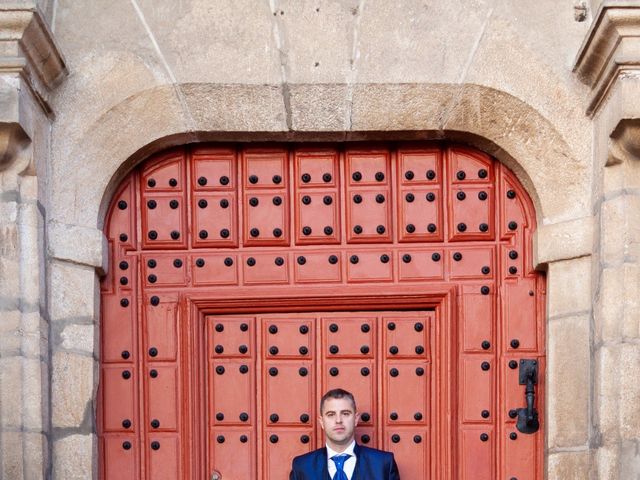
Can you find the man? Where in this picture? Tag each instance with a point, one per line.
(342, 458)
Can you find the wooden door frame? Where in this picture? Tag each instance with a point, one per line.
(196, 305)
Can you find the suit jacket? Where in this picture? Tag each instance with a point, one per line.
(371, 464)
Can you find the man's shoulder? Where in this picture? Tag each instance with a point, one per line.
(373, 452)
(308, 457)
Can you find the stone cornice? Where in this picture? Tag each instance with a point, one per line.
(624, 143)
(611, 49)
(27, 47)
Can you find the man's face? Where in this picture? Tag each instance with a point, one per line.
(338, 420)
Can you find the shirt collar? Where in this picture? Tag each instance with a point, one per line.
(349, 450)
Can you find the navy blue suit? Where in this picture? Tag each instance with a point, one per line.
(371, 464)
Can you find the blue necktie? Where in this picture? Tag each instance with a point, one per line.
(339, 461)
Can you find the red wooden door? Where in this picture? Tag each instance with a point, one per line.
(245, 281)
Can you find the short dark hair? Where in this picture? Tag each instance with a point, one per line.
(337, 393)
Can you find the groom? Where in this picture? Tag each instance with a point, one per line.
(342, 458)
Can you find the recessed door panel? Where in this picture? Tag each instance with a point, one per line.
(164, 456)
(233, 451)
(280, 448)
(232, 392)
(476, 456)
(410, 448)
(163, 396)
(118, 387)
(351, 336)
(121, 456)
(407, 336)
(400, 378)
(160, 326)
(289, 392)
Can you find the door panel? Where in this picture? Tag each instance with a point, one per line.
(246, 280)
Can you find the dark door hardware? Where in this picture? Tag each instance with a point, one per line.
(528, 417)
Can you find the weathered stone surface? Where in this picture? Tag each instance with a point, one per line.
(563, 241)
(73, 457)
(72, 380)
(12, 455)
(77, 244)
(78, 338)
(11, 392)
(569, 286)
(72, 293)
(568, 373)
(569, 465)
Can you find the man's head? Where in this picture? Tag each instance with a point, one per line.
(338, 418)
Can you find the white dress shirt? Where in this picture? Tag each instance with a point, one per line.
(349, 464)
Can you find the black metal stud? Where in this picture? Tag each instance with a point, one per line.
(244, 416)
(244, 327)
(365, 328)
(253, 201)
(435, 257)
(431, 228)
(333, 328)
(126, 374)
(461, 175)
(253, 179)
(273, 371)
(354, 259)
(482, 196)
(123, 265)
(393, 415)
(152, 235)
(202, 181)
(153, 352)
(513, 225)
(394, 372)
(334, 349)
(224, 203)
(333, 371)
(513, 270)
(418, 326)
(306, 199)
(123, 237)
(304, 438)
(364, 349)
(515, 343)
(279, 261)
(419, 371)
(126, 445)
(273, 329)
(357, 176)
(153, 373)
(303, 350)
(244, 439)
(513, 435)
(485, 414)
(277, 201)
(151, 183)
(513, 364)
(327, 200)
(326, 177)
(203, 234)
(304, 418)
(124, 302)
(457, 256)
(173, 182)
(254, 232)
(155, 301)
(365, 438)
(122, 205)
(301, 260)
(484, 437)
(306, 231)
(409, 175)
(486, 270)
(228, 261)
(484, 290)
(430, 197)
(277, 232)
(410, 228)
(483, 227)
(274, 417)
(486, 345)
(124, 280)
(419, 349)
(243, 349)
(485, 366)
(273, 350)
(364, 371)
(511, 194)
(380, 198)
(219, 416)
(200, 262)
(175, 234)
(482, 173)
(243, 369)
(391, 326)
(357, 199)
(417, 439)
(462, 227)
(461, 196)
(126, 423)
(409, 197)
(306, 178)
(406, 258)
(174, 204)
(273, 438)
(333, 259)
(431, 174)
(513, 413)
(224, 180)
(384, 258)
(513, 254)
(393, 350)
(276, 179)
(395, 438)
(380, 229)
(417, 416)
(220, 439)
(379, 176)
(303, 372)
(251, 261)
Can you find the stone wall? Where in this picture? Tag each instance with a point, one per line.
(147, 74)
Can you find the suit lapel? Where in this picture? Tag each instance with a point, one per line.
(322, 457)
(358, 454)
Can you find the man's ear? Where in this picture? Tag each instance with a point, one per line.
(320, 422)
(357, 418)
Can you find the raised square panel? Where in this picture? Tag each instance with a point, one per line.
(118, 320)
(513, 218)
(476, 387)
(520, 315)
(512, 261)
(266, 219)
(289, 392)
(288, 337)
(421, 215)
(370, 266)
(265, 169)
(368, 168)
(357, 376)
(419, 167)
(471, 213)
(231, 390)
(231, 336)
(477, 319)
(162, 395)
(407, 336)
(316, 168)
(469, 263)
(119, 462)
(318, 267)
(410, 447)
(164, 463)
(233, 452)
(166, 174)
(521, 455)
(368, 216)
(470, 167)
(214, 220)
(213, 169)
(214, 269)
(164, 270)
(477, 451)
(400, 379)
(265, 268)
(121, 229)
(349, 337)
(280, 447)
(160, 327)
(416, 265)
(118, 392)
(164, 221)
(317, 218)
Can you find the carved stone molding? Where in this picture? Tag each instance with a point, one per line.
(611, 49)
(27, 47)
(624, 143)
(12, 140)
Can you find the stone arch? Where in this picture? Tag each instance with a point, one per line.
(486, 118)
